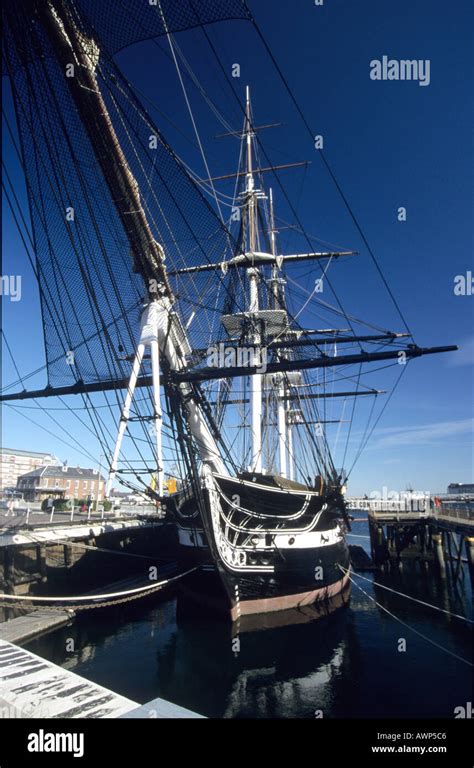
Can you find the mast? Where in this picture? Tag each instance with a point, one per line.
(282, 403)
(160, 327)
(290, 451)
(254, 277)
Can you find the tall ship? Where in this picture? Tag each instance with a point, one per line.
(187, 333)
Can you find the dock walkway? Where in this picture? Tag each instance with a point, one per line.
(33, 624)
(450, 514)
(33, 687)
(17, 532)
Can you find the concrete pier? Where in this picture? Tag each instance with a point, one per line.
(33, 687)
(33, 624)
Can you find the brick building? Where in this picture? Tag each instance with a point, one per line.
(61, 482)
(15, 462)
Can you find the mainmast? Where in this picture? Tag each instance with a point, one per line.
(253, 274)
(282, 402)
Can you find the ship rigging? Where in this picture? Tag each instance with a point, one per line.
(127, 249)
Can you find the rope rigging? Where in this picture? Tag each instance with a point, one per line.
(84, 262)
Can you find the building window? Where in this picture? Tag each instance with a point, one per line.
(68, 483)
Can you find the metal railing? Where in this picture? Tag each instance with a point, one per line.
(423, 507)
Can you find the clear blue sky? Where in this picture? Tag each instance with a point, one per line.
(390, 144)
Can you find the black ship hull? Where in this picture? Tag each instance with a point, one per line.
(282, 566)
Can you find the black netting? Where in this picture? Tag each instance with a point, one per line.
(90, 296)
(119, 23)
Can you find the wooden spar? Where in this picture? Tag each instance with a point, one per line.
(304, 342)
(255, 128)
(326, 395)
(144, 381)
(312, 396)
(73, 48)
(208, 374)
(247, 260)
(260, 170)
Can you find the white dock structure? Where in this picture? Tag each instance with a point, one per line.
(31, 687)
(441, 509)
(21, 535)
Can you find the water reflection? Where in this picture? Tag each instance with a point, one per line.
(339, 660)
(273, 665)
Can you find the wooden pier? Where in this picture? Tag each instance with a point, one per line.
(34, 624)
(32, 687)
(422, 527)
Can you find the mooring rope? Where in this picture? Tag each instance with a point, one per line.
(412, 629)
(117, 597)
(409, 597)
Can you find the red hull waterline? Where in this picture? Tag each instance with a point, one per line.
(284, 602)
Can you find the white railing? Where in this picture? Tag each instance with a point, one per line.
(423, 506)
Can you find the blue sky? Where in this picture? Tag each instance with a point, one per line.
(390, 144)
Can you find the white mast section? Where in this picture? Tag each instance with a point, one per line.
(124, 417)
(162, 332)
(282, 429)
(290, 451)
(282, 403)
(253, 275)
(272, 225)
(255, 384)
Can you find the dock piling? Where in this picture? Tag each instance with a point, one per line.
(469, 544)
(439, 553)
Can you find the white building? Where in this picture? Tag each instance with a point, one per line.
(15, 462)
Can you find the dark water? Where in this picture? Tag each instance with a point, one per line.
(346, 664)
